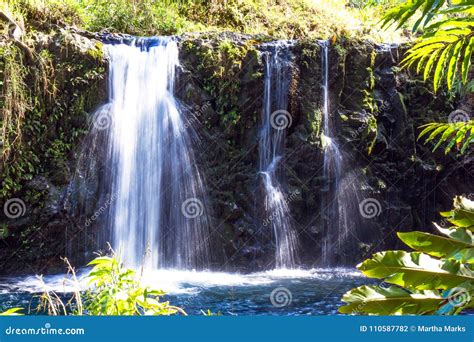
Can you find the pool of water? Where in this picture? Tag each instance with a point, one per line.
(277, 292)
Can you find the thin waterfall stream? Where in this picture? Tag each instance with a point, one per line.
(275, 121)
(342, 184)
(332, 167)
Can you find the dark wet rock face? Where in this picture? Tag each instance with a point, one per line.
(375, 108)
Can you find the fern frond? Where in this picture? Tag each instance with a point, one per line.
(459, 134)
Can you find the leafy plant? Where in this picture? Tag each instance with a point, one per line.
(118, 291)
(114, 290)
(437, 278)
(446, 44)
(457, 134)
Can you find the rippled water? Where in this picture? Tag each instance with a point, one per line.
(295, 292)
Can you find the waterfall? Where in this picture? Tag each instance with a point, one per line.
(157, 209)
(332, 163)
(342, 184)
(275, 121)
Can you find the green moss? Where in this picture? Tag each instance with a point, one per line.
(316, 122)
(371, 133)
(340, 49)
(97, 52)
(221, 64)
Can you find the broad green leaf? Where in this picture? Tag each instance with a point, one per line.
(416, 270)
(458, 234)
(389, 301)
(463, 213)
(465, 256)
(434, 245)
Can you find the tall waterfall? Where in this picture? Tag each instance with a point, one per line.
(157, 211)
(275, 121)
(342, 187)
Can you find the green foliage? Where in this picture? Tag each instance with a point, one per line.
(11, 312)
(118, 291)
(437, 278)
(458, 134)
(15, 98)
(445, 47)
(372, 3)
(113, 290)
(43, 104)
(146, 17)
(286, 19)
(221, 63)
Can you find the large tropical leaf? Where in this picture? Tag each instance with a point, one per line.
(457, 233)
(439, 246)
(390, 301)
(416, 270)
(462, 214)
(439, 282)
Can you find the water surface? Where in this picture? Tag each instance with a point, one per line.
(295, 292)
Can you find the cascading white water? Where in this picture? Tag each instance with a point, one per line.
(342, 186)
(275, 121)
(158, 216)
(332, 167)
